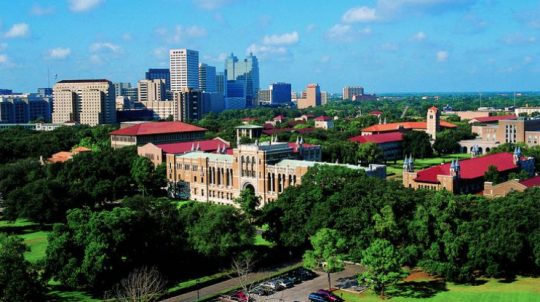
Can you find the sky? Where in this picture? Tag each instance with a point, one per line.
(383, 45)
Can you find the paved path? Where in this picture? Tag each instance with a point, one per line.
(225, 285)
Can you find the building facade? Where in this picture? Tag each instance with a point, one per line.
(266, 169)
(184, 69)
(161, 110)
(311, 97)
(89, 102)
(156, 133)
(246, 71)
(160, 73)
(350, 93)
(190, 104)
(120, 89)
(152, 90)
(24, 108)
(157, 153)
(264, 97)
(207, 78)
(466, 176)
(324, 122)
(280, 93)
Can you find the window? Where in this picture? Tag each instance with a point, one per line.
(186, 167)
(195, 168)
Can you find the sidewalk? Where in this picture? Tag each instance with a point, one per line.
(225, 285)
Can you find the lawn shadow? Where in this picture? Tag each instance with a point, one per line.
(419, 289)
(23, 230)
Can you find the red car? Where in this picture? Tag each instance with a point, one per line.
(239, 296)
(328, 295)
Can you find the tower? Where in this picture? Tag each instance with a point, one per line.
(184, 69)
(517, 156)
(433, 122)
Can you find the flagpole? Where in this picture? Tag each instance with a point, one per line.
(48, 79)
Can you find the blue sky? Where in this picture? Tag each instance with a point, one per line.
(383, 45)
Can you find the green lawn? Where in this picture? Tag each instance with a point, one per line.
(420, 164)
(259, 240)
(523, 289)
(33, 236)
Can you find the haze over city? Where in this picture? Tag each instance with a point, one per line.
(386, 46)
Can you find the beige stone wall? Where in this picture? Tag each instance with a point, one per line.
(503, 189)
(468, 115)
(152, 152)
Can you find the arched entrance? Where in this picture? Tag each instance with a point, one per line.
(248, 186)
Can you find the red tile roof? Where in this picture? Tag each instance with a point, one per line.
(324, 118)
(268, 126)
(531, 182)
(206, 146)
(433, 108)
(248, 119)
(158, 128)
(406, 125)
(309, 115)
(292, 124)
(295, 146)
(378, 138)
(470, 168)
(376, 112)
(496, 118)
(280, 117)
(274, 131)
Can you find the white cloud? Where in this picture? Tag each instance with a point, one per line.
(346, 33)
(181, 34)
(517, 39)
(269, 52)
(19, 30)
(311, 28)
(442, 56)
(161, 52)
(213, 4)
(83, 5)
(59, 53)
(127, 37)
(360, 14)
(106, 47)
(390, 47)
(4, 59)
(37, 10)
(420, 36)
(217, 59)
(325, 59)
(284, 39)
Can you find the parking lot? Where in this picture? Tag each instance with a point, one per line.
(301, 291)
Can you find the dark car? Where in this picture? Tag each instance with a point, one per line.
(285, 282)
(261, 291)
(318, 298)
(304, 274)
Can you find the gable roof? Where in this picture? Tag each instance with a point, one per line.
(274, 131)
(405, 125)
(324, 118)
(531, 182)
(470, 168)
(280, 117)
(490, 119)
(376, 112)
(378, 138)
(158, 128)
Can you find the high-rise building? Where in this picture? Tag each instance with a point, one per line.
(264, 97)
(281, 93)
(207, 78)
(159, 73)
(89, 102)
(161, 110)
(349, 93)
(311, 97)
(6, 91)
(324, 97)
(189, 104)
(120, 89)
(151, 90)
(433, 122)
(24, 108)
(184, 69)
(132, 93)
(247, 71)
(221, 83)
(236, 95)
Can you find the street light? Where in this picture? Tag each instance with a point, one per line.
(197, 289)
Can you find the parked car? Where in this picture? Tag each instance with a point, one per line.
(318, 298)
(273, 285)
(238, 296)
(261, 291)
(328, 294)
(304, 274)
(285, 282)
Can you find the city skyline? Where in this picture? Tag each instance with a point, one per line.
(384, 46)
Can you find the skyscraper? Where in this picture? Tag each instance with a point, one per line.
(221, 83)
(311, 97)
(247, 71)
(189, 104)
(89, 102)
(207, 78)
(281, 93)
(160, 73)
(349, 93)
(152, 90)
(184, 69)
(120, 89)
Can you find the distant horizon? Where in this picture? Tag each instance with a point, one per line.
(412, 45)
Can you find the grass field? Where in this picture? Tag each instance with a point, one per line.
(420, 164)
(34, 235)
(492, 290)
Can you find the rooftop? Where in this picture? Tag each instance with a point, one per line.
(470, 168)
(205, 146)
(405, 125)
(210, 156)
(496, 118)
(274, 131)
(84, 81)
(280, 117)
(324, 118)
(378, 138)
(158, 128)
(292, 163)
(250, 127)
(531, 182)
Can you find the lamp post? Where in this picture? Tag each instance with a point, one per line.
(197, 289)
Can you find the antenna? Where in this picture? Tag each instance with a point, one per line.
(48, 78)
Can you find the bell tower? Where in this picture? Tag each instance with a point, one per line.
(433, 122)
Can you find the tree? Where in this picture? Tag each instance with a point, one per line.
(243, 266)
(249, 204)
(446, 142)
(492, 175)
(19, 281)
(327, 252)
(522, 175)
(143, 172)
(141, 285)
(383, 263)
(417, 144)
(369, 152)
